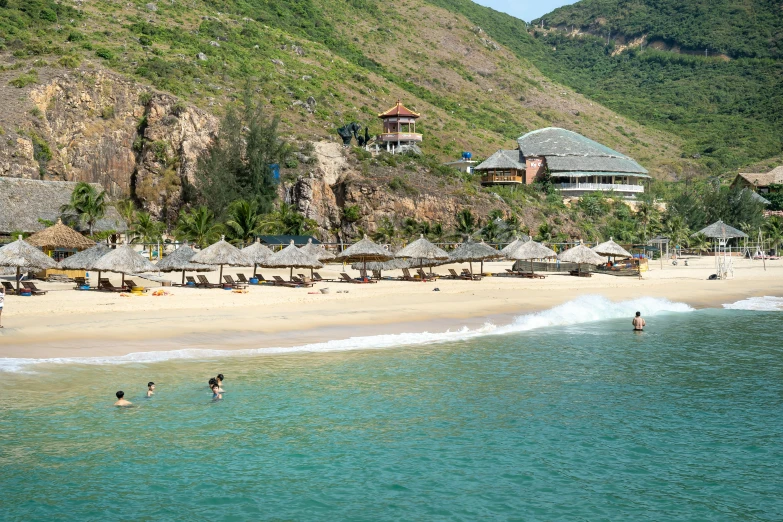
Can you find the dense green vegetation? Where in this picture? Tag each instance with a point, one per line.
(737, 28)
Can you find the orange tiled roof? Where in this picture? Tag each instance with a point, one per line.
(399, 110)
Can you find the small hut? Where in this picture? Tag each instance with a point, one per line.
(721, 233)
(60, 242)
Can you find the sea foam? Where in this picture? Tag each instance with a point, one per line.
(767, 303)
(585, 309)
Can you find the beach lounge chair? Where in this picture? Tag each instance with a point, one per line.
(204, 282)
(318, 279)
(234, 284)
(105, 284)
(31, 286)
(471, 277)
(242, 279)
(345, 278)
(9, 288)
(579, 273)
(424, 276)
(301, 280)
(406, 276)
(191, 279)
(130, 284)
(376, 274)
(279, 281)
(80, 282)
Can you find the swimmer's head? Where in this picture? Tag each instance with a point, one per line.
(215, 388)
(150, 384)
(638, 314)
(212, 381)
(120, 394)
(220, 376)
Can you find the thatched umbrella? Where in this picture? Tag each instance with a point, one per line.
(518, 241)
(380, 266)
(364, 251)
(422, 249)
(257, 253)
(580, 255)
(124, 260)
(221, 253)
(21, 254)
(291, 257)
(470, 252)
(530, 250)
(60, 236)
(720, 230)
(610, 249)
(86, 259)
(317, 251)
(180, 259)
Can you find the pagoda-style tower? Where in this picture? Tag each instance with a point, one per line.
(399, 127)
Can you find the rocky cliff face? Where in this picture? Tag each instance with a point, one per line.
(96, 126)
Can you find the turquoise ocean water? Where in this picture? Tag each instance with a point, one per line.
(535, 421)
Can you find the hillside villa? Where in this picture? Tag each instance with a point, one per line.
(577, 165)
(26, 205)
(765, 183)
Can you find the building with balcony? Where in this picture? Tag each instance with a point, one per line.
(399, 129)
(576, 165)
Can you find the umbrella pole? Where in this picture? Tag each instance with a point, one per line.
(17, 279)
(220, 279)
(291, 274)
(183, 277)
(311, 272)
(255, 269)
(123, 280)
(99, 279)
(471, 269)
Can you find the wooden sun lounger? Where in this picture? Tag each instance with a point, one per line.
(242, 279)
(406, 276)
(203, 281)
(279, 281)
(578, 273)
(130, 284)
(471, 277)
(9, 288)
(302, 281)
(33, 289)
(345, 278)
(105, 284)
(426, 277)
(191, 279)
(234, 284)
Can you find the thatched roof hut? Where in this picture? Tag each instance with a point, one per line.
(86, 259)
(317, 251)
(610, 248)
(530, 250)
(720, 230)
(222, 253)
(24, 201)
(60, 236)
(364, 251)
(518, 241)
(21, 254)
(292, 257)
(124, 260)
(180, 259)
(581, 255)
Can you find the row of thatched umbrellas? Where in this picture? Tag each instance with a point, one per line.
(125, 260)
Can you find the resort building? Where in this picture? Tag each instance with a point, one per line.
(576, 165)
(465, 164)
(399, 129)
(766, 183)
(29, 205)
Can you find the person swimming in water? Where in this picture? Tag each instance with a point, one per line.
(121, 399)
(219, 381)
(638, 322)
(216, 392)
(150, 389)
(211, 382)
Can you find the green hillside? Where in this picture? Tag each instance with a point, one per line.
(727, 109)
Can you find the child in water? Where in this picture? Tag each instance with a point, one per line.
(150, 389)
(219, 381)
(216, 392)
(121, 399)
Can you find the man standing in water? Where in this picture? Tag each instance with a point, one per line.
(638, 322)
(121, 399)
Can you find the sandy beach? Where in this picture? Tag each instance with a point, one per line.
(68, 323)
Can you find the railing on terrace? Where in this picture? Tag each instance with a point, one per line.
(608, 187)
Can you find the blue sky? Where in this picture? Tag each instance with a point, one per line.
(525, 9)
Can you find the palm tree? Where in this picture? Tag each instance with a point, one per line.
(386, 231)
(466, 222)
(127, 210)
(699, 243)
(87, 204)
(198, 226)
(286, 220)
(545, 233)
(145, 229)
(244, 221)
(677, 230)
(648, 218)
(773, 229)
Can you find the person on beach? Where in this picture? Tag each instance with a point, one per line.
(150, 389)
(2, 303)
(219, 381)
(638, 322)
(121, 400)
(216, 392)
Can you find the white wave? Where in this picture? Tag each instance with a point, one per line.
(767, 303)
(586, 309)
